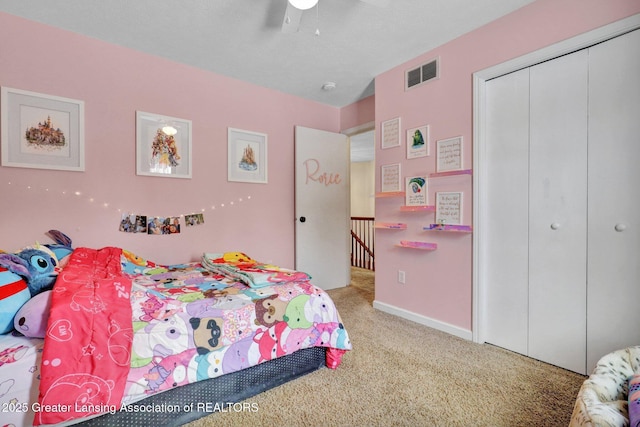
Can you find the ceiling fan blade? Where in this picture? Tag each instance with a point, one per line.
(378, 3)
(291, 21)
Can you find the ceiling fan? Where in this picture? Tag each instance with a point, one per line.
(295, 8)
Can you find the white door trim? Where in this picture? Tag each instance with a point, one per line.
(480, 78)
(365, 127)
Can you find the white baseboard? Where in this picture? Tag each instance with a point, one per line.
(423, 320)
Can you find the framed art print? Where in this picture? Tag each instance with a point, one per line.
(247, 156)
(41, 131)
(418, 142)
(390, 175)
(390, 130)
(416, 191)
(449, 154)
(163, 146)
(449, 208)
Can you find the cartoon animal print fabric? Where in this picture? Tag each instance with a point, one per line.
(191, 323)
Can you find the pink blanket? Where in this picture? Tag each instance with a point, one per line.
(87, 350)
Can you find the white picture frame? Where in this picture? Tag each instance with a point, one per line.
(449, 208)
(163, 146)
(416, 191)
(390, 178)
(41, 131)
(449, 154)
(390, 133)
(246, 156)
(418, 142)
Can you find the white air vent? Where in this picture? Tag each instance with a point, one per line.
(422, 74)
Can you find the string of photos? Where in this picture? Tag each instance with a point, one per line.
(131, 223)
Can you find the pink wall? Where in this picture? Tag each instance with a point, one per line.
(439, 284)
(358, 113)
(114, 82)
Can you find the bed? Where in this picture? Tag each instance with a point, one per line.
(128, 339)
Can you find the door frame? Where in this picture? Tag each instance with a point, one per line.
(350, 132)
(480, 78)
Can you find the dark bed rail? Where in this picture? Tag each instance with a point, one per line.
(362, 242)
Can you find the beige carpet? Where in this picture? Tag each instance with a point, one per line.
(404, 374)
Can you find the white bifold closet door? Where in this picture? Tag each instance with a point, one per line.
(562, 270)
(613, 291)
(506, 252)
(558, 211)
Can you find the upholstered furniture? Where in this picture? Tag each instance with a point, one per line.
(604, 396)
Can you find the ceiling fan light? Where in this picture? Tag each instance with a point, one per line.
(303, 4)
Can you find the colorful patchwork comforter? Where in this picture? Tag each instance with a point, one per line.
(123, 328)
(239, 266)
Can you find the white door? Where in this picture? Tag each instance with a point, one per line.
(322, 207)
(558, 211)
(614, 202)
(570, 281)
(505, 253)
(535, 259)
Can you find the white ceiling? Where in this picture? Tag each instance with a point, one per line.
(362, 147)
(244, 39)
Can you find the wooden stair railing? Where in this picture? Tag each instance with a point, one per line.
(362, 242)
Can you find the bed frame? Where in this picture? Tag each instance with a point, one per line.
(229, 388)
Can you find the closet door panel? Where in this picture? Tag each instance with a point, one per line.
(505, 256)
(558, 211)
(614, 196)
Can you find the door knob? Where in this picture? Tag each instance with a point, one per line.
(302, 219)
(620, 227)
(555, 226)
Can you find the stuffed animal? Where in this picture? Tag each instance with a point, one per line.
(13, 294)
(36, 264)
(62, 248)
(31, 319)
(26, 275)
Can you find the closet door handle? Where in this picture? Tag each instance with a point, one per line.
(555, 226)
(620, 227)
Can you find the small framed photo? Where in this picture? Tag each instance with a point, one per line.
(163, 146)
(449, 208)
(449, 154)
(416, 191)
(418, 142)
(41, 131)
(391, 178)
(247, 156)
(390, 131)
